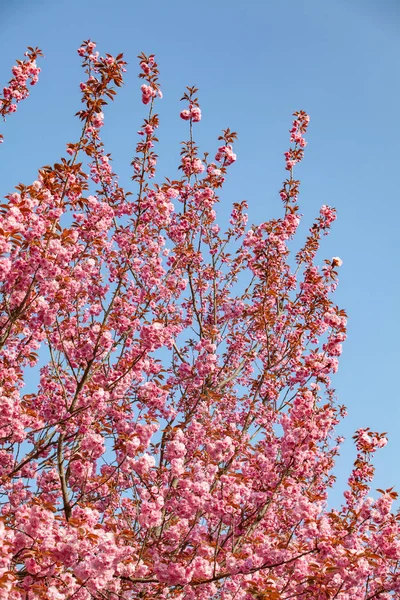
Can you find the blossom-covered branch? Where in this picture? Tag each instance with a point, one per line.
(180, 442)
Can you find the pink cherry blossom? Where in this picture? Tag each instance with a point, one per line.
(336, 261)
(185, 115)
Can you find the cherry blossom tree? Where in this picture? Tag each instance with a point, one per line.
(180, 443)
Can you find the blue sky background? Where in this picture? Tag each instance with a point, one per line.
(255, 63)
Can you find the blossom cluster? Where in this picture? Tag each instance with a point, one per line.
(193, 113)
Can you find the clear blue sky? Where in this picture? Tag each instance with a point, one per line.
(255, 62)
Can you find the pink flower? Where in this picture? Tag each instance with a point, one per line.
(225, 155)
(195, 113)
(185, 115)
(336, 261)
(97, 120)
(145, 67)
(93, 444)
(147, 93)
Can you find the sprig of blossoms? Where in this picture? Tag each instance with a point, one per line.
(150, 72)
(193, 113)
(17, 88)
(299, 128)
(145, 161)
